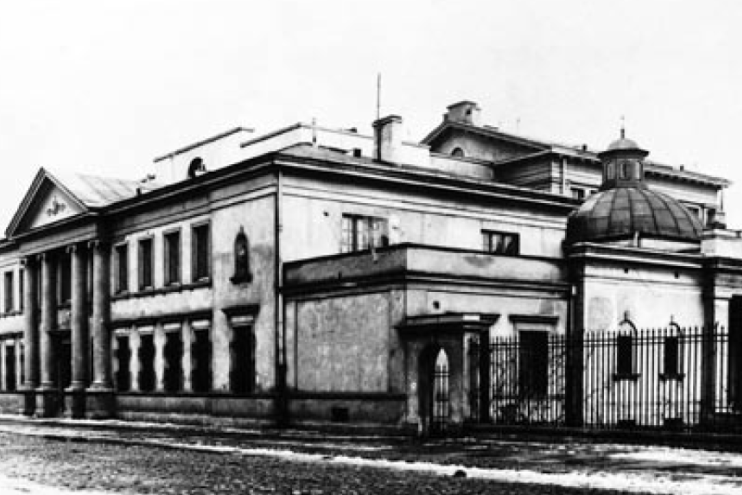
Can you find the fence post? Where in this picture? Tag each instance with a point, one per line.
(485, 371)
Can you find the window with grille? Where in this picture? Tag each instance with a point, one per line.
(172, 258)
(363, 232)
(145, 264)
(500, 242)
(201, 252)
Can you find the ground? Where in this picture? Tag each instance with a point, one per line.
(100, 457)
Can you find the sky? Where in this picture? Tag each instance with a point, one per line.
(104, 87)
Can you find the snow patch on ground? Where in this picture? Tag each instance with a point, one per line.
(683, 456)
(13, 486)
(630, 482)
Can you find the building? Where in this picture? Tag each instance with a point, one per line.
(313, 274)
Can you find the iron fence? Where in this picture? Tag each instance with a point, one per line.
(657, 378)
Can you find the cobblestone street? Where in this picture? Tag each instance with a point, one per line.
(142, 469)
(133, 458)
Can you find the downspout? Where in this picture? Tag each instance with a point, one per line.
(280, 347)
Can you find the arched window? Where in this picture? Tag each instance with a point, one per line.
(458, 152)
(673, 353)
(196, 168)
(625, 350)
(241, 258)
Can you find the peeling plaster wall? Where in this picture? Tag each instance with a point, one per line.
(342, 344)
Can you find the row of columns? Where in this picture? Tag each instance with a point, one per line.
(41, 396)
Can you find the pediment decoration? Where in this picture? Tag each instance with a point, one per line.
(47, 201)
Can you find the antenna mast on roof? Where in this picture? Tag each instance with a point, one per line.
(378, 96)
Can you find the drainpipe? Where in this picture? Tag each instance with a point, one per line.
(280, 346)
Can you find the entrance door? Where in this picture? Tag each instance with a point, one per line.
(63, 364)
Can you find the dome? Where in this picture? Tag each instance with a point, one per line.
(621, 213)
(623, 144)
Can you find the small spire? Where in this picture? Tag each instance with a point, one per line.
(623, 127)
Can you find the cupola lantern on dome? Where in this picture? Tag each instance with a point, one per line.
(623, 164)
(625, 209)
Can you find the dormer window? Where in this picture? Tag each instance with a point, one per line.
(196, 168)
(458, 152)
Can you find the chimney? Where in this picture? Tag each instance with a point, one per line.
(465, 112)
(388, 139)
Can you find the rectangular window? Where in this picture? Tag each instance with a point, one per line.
(534, 363)
(172, 258)
(201, 252)
(123, 358)
(122, 268)
(8, 288)
(173, 355)
(672, 356)
(500, 242)
(363, 232)
(21, 289)
(10, 374)
(65, 281)
(201, 361)
(147, 362)
(242, 355)
(145, 264)
(624, 355)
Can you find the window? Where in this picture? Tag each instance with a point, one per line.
(123, 357)
(534, 363)
(173, 354)
(8, 288)
(10, 374)
(201, 361)
(673, 355)
(21, 289)
(241, 258)
(362, 232)
(242, 355)
(625, 350)
(201, 252)
(172, 258)
(625, 355)
(196, 168)
(578, 193)
(501, 242)
(147, 362)
(145, 264)
(122, 268)
(458, 152)
(65, 280)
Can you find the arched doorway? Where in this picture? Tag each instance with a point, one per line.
(434, 390)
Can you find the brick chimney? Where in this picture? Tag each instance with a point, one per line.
(466, 112)
(388, 139)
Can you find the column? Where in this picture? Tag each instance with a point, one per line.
(100, 399)
(48, 319)
(79, 327)
(30, 335)
(47, 400)
(101, 317)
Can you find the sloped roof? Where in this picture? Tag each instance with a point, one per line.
(89, 192)
(96, 192)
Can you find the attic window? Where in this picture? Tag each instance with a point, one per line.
(196, 168)
(458, 152)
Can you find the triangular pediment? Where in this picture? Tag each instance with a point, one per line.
(47, 201)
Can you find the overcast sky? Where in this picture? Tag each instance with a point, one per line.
(104, 87)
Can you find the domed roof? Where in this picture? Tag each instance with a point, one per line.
(623, 212)
(623, 144)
